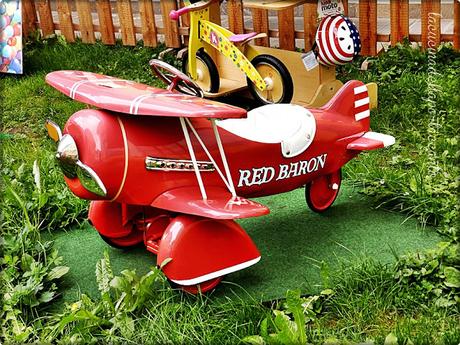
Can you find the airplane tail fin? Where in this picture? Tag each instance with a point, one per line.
(353, 100)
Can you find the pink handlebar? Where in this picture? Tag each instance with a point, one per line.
(174, 15)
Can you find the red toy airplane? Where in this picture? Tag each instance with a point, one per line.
(173, 170)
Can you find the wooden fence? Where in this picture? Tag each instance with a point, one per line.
(95, 19)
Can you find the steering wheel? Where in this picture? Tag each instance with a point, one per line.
(175, 79)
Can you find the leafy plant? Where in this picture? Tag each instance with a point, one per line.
(288, 325)
(30, 267)
(433, 274)
(111, 316)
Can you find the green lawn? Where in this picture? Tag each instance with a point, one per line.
(293, 242)
(345, 260)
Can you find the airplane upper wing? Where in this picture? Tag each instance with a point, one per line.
(219, 205)
(129, 97)
(371, 141)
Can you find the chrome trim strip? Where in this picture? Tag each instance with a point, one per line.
(90, 180)
(164, 164)
(125, 170)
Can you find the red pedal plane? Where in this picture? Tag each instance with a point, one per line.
(173, 170)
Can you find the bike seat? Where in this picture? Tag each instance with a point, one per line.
(290, 125)
(243, 38)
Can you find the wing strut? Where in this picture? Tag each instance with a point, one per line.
(192, 156)
(228, 181)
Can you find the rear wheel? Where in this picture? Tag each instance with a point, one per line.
(207, 73)
(321, 193)
(280, 88)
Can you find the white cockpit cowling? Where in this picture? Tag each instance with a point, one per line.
(293, 126)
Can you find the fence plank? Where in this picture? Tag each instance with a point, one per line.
(149, 31)
(214, 13)
(46, 18)
(29, 17)
(235, 16)
(171, 27)
(286, 27)
(65, 20)
(431, 23)
(309, 24)
(125, 15)
(85, 21)
(104, 13)
(345, 7)
(260, 20)
(368, 26)
(399, 13)
(456, 24)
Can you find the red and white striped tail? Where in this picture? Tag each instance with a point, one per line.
(352, 100)
(362, 102)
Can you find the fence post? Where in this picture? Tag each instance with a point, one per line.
(368, 26)
(171, 27)
(65, 20)
(431, 23)
(261, 25)
(286, 29)
(310, 16)
(104, 13)
(125, 15)
(399, 20)
(235, 16)
(345, 7)
(46, 18)
(86, 21)
(456, 24)
(29, 17)
(149, 31)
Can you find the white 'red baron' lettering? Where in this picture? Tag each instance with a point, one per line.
(258, 176)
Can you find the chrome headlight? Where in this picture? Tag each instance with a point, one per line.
(67, 155)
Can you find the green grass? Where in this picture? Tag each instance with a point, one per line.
(415, 300)
(293, 241)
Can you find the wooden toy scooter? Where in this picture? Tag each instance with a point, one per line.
(218, 74)
(267, 77)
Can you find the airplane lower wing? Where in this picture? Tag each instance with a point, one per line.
(220, 204)
(371, 141)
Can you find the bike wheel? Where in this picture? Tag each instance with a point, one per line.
(280, 88)
(208, 75)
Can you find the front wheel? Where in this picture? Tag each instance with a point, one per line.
(321, 193)
(280, 88)
(207, 73)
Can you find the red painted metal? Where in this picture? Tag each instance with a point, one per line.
(220, 204)
(362, 144)
(201, 246)
(166, 207)
(128, 97)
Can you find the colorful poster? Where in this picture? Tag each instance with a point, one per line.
(11, 36)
